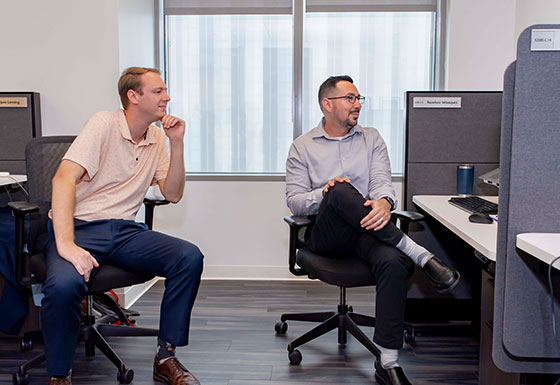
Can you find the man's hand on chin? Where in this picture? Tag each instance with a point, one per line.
(173, 127)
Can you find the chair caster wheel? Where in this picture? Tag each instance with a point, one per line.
(125, 376)
(25, 344)
(295, 357)
(281, 327)
(409, 336)
(18, 379)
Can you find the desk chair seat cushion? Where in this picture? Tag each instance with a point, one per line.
(105, 279)
(342, 272)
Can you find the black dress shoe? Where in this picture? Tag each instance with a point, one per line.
(392, 376)
(441, 276)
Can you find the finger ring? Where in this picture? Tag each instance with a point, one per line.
(380, 219)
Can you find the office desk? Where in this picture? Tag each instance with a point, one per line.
(482, 237)
(544, 246)
(12, 179)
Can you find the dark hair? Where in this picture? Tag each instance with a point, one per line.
(130, 80)
(330, 84)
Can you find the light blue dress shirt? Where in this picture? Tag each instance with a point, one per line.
(315, 158)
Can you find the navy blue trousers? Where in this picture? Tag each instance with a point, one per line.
(125, 244)
(337, 232)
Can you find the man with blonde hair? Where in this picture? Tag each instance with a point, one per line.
(96, 193)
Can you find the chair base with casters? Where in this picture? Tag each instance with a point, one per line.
(345, 273)
(93, 332)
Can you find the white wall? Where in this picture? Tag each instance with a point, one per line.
(530, 12)
(480, 43)
(68, 51)
(72, 52)
(238, 226)
(136, 33)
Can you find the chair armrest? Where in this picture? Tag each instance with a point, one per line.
(20, 210)
(410, 216)
(296, 221)
(155, 200)
(23, 207)
(296, 224)
(406, 217)
(150, 202)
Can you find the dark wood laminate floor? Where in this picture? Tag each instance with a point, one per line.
(233, 342)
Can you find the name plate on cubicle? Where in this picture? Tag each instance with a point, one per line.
(436, 102)
(545, 40)
(13, 101)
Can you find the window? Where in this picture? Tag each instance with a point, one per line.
(385, 53)
(231, 71)
(231, 77)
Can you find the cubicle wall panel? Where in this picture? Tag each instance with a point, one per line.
(524, 339)
(458, 135)
(18, 125)
(534, 190)
(437, 140)
(441, 179)
(13, 166)
(500, 357)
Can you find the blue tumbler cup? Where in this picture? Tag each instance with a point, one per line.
(465, 180)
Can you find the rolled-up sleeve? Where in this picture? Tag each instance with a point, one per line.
(300, 197)
(380, 183)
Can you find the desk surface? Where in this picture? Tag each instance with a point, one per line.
(13, 178)
(544, 246)
(481, 236)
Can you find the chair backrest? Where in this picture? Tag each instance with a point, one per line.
(42, 157)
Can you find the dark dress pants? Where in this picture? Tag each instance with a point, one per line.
(336, 232)
(125, 244)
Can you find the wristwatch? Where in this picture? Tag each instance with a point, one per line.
(391, 202)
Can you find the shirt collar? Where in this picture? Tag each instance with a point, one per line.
(149, 137)
(319, 131)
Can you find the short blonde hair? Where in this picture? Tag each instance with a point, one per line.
(130, 80)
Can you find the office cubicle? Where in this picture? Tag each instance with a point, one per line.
(523, 339)
(20, 121)
(443, 130)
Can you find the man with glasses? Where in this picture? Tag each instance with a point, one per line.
(340, 173)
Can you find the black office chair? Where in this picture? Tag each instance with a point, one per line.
(43, 156)
(344, 273)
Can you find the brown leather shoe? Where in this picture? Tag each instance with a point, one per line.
(172, 372)
(60, 381)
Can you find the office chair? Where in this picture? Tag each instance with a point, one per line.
(344, 273)
(43, 156)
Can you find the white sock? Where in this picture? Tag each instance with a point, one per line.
(414, 251)
(389, 357)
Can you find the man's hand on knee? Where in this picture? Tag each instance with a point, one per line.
(379, 215)
(82, 260)
(331, 183)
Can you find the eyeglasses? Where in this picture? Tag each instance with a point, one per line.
(351, 98)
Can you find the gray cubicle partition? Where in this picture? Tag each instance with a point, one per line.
(523, 339)
(20, 121)
(443, 130)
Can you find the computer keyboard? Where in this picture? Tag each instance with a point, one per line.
(475, 205)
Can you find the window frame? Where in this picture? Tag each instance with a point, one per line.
(298, 16)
